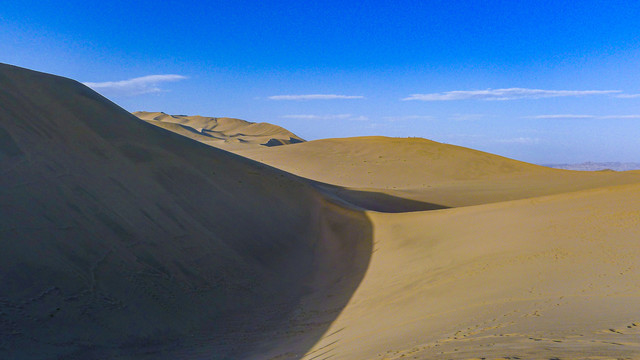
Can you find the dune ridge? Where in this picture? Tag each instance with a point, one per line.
(121, 240)
(225, 133)
(427, 171)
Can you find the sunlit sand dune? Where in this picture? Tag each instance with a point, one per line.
(554, 277)
(122, 240)
(428, 171)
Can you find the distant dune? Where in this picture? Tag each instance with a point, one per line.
(226, 133)
(427, 171)
(122, 240)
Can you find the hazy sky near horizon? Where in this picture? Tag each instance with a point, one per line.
(539, 81)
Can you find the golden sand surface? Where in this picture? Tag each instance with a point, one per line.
(428, 171)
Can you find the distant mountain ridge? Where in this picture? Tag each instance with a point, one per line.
(597, 166)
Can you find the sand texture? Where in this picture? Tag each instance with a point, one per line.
(120, 239)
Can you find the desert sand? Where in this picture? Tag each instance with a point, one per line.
(122, 240)
(427, 171)
(550, 277)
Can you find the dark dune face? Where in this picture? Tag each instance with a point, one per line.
(119, 239)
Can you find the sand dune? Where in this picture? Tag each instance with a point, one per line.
(225, 133)
(122, 240)
(427, 171)
(551, 277)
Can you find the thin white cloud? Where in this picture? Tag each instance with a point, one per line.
(560, 116)
(326, 117)
(314, 97)
(409, 117)
(628, 96)
(136, 86)
(619, 117)
(582, 116)
(505, 94)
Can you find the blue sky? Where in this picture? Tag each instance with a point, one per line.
(539, 81)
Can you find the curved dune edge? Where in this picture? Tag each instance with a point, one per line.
(121, 240)
(543, 278)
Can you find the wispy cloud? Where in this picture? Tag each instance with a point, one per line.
(628, 96)
(136, 86)
(505, 94)
(326, 117)
(582, 116)
(408, 117)
(560, 116)
(314, 97)
(619, 117)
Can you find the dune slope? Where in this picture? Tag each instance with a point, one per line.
(554, 277)
(122, 240)
(427, 171)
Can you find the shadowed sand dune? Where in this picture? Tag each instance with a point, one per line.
(122, 240)
(224, 133)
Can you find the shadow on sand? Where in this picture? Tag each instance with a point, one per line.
(376, 201)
